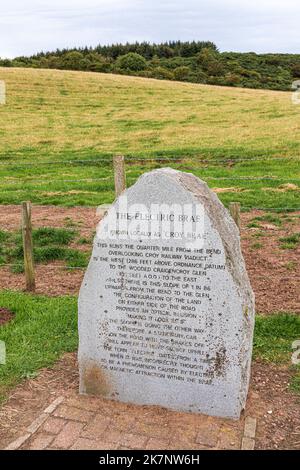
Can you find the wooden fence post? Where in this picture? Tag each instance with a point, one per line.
(120, 175)
(235, 209)
(28, 246)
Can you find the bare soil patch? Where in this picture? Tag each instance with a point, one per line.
(275, 406)
(273, 271)
(5, 316)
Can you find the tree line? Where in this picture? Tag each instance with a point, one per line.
(195, 61)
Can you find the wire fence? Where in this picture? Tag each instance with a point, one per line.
(111, 178)
(157, 160)
(63, 266)
(46, 182)
(143, 163)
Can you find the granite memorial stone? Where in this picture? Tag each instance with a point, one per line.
(166, 310)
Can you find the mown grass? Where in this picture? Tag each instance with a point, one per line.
(99, 115)
(274, 335)
(49, 244)
(46, 327)
(273, 339)
(43, 329)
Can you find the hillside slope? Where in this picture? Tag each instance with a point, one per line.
(56, 111)
(195, 62)
(58, 115)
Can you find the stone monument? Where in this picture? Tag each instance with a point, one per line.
(166, 310)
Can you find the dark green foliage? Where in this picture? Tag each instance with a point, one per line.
(198, 62)
(72, 60)
(182, 73)
(162, 73)
(132, 62)
(164, 50)
(296, 70)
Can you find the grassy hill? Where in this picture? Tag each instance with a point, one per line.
(52, 117)
(195, 62)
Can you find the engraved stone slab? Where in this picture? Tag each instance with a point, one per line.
(166, 310)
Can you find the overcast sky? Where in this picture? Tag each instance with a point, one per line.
(29, 26)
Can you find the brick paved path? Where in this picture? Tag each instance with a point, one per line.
(80, 422)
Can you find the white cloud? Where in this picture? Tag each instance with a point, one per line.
(29, 26)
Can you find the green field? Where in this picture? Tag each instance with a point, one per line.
(59, 128)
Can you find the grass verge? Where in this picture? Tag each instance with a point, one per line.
(43, 329)
(273, 339)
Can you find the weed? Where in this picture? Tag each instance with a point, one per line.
(290, 242)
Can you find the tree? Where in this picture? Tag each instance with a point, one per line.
(162, 73)
(96, 62)
(232, 79)
(208, 59)
(131, 61)
(5, 63)
(296, 70)
(54, 62)
(205, 56)
(182, 73)
(72, 60)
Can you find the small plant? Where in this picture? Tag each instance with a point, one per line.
(253, 224)
(290, 242)
(83, 241)
(17, 267)
(3, 236)
(69, 222)
(258, 234)
(291, 265)
(49, 235)
(76, 259)
(256, 246)
(48, 253)
(271, 218)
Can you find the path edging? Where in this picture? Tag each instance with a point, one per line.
(35, 425)
(248, 440)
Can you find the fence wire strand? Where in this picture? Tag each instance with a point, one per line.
(156, 159)
(111, 178)
(83, 180)
(40, 264)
